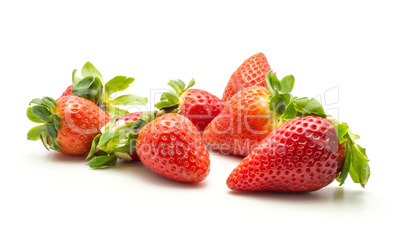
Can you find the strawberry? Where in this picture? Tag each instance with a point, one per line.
(250, 73)
(167, 143)
(172, 147)
(200, 106)
(130, 117)
(245, 121)
(69, 123)
(242, 124)
(301, 155)
(92, 87)
(306, 153)
(68, 91)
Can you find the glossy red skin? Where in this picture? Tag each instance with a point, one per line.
(68, 91)
(131, 117)
(243, 123)
(251, 72)
(172, 147)
(200, 106)
(81, 121)
(301, 155)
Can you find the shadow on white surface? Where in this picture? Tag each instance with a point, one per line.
(60, 157)
(332, 194)
(136, 170)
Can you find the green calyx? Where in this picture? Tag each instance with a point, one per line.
(117, 140)
(92, 87)
(287, 107)
(43, 112)
(356, 161)
(170, 100)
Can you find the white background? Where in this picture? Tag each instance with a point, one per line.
(348, 53)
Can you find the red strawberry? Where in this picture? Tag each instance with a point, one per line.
(200, 106)
(68, 91)
(130, 117)
(70, 123)
(301, 155)
(172, 147)
(242, 124)
(251, 73)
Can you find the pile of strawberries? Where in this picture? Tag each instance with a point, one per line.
(288, 143)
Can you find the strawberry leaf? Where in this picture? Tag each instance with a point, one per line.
(75, 78)
(182, 85)
(290, 112)
(341, 130)
(89, 70)
(43, 138)
(287, 84)
(49, 102)
(51, 130)
(170, 101)
(90, 88)
(171, 98)
(190, 84)
(177, 85)
(114, 111)
(360, 164)
(56, 121)
(41, 112)
(162, 104)
(118, 83)
(129, 100)
(36, 101)
(147, 116)
(94, 145)
(102, 161)
(54, 145)
(308, 106)
(32, 117)
(100, 153)
(345, 168)
(106, 136)
(272, 82)
(35, 132)
(353, 175)
(356, 158)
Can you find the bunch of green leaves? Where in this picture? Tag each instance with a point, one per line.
(356, 160)
(288, 107)
(170, 100)
(91, 86)
(43, 112)
(116, 142)
(285, 105)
